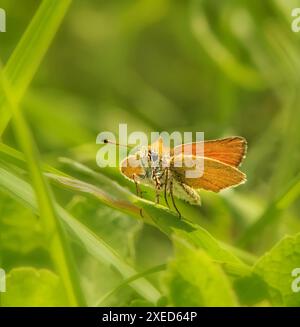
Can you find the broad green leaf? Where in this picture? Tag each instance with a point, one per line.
(30, 287)
(193, 279)
(251, 290)
(276, 267)
(164, 219)
(197, 236)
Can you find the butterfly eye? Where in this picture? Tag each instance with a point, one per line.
(154, 157)
(137, 156)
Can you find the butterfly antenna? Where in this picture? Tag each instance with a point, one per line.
(106, 141)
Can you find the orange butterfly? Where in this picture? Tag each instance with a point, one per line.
(221, 159)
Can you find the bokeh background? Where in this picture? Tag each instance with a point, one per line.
(222, 67)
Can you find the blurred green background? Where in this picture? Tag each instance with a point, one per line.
(225, 68)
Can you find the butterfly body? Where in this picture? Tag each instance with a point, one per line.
(158, 167)
(152, 168)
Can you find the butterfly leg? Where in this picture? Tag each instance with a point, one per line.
(166, 187)
(138, 192)
(172, 197)
(157, 197)
(137, 186)
(157, 187)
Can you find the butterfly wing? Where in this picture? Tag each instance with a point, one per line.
(216, 175)
(230, 150)
(131, 168)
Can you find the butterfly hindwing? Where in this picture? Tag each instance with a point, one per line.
(216, 174)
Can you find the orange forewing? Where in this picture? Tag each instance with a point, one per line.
(129, 169)
(230, 150)
(216, 176)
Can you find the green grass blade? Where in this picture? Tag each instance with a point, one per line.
(58, 245)
(12, 156)
(130, 280)
(23, 192)
(219, 53)
(26, 58)
(272, 212)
